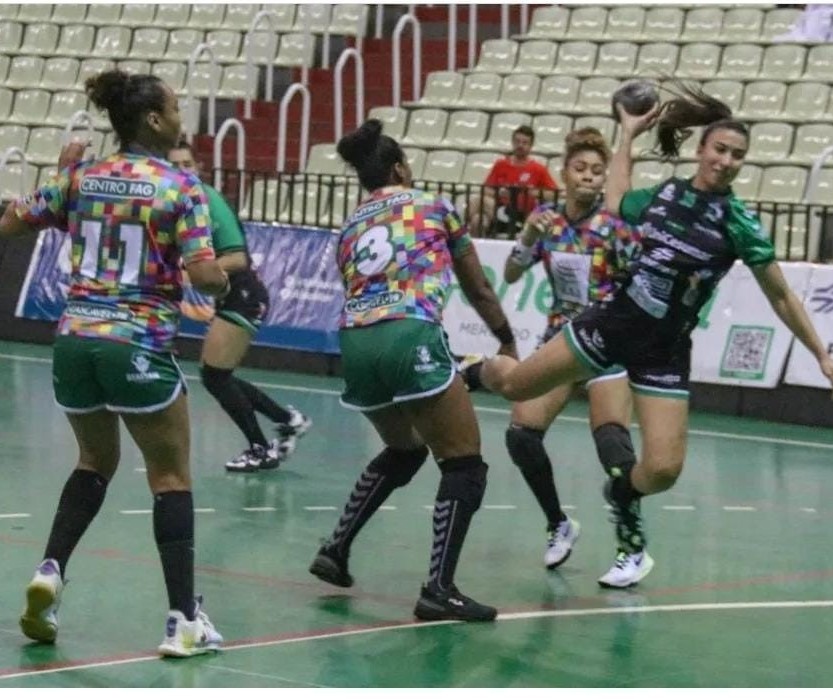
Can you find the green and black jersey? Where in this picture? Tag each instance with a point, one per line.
(691, 238)
(226, 229)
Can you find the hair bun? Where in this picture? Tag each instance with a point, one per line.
(358, 146)
(107, 89)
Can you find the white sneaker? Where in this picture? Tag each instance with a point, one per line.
(185, 638)
(560, 542)
(256, 459)
(296, 427)
(627, 570)
(43, 597)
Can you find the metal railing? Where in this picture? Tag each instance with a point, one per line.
(396, 68)
(81, 119)
(271, 18)
(338, 90)
(5, 158)
(241, 153)
(291, 91)
(212, 93)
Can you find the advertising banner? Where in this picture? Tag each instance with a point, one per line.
(740, 341)
(802, 368)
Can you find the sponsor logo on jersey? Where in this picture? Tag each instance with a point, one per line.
(705, 230)
(666, 379)
(667, 194)
(362, 305)
(658, 210)
(141, 362)
(117, 188)
(715, 212)
(424, 363)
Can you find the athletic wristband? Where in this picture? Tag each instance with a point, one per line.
(522, 254)
(504, 334)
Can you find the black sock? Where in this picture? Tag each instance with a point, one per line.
(263, 403)
(228, 392)
(629, 527)
(80, 502)
(173, 529)
(526, 447)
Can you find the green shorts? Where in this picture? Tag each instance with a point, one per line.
(90, 374)
(394, 361)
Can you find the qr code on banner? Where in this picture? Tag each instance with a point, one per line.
(746, 352)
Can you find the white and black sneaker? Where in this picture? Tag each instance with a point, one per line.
(297, 425)
(627, 570)
(450, 604)
(258, 458)
(560, 542)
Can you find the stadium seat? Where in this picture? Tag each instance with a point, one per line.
(595, 95)
(741, 23)
(649, 173)
(207, 16)
(549, 22)
(426, 127)
(558, 93)
(324, 160)
(656, 60)
(605, 125)
(770, 142)
(319, 18)
(823, 192)
(393, 119)
(806, 100)
(114, 43)
(617, 59)
(137, 14)
(763, 99)
(442, 89)
(662, 23)
(624, 22)
(225, 44)
(346, 196)
(576, 58)
(30, 107)
(76, 40)
(204, 79)
(416, 159)
(11, 183)
(296, 50)
(699, 60)
(239, 16)
(810, 140)
(740, 61)
(30, 13)
(25, 71)
(90, 67)
(519, 92)
(444, 166)
(537, 57)
(477, 167)
(497, 56)
(63, 105)
(148, 42)
(4, 68)
(44, 145)
(11, 34)
(181, 43)
(501, 128)
(264, 46)
(819, 63)
(702, 24)
(728, 91)
(748, 182)
(587, 22)
(172, 72)
(172, 16)
(262, 201)
(349, 20)
(39, 39)
(6, 100)
(103, 14)
(480, 90)
(9, 11)
(135, 67)
(778, 21)
(13, 136)
(783, 62)
(550, 130)
(234, 83)
(466, 129)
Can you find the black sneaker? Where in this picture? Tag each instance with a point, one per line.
(258, 458)
(469, 367)
(332, 568)
(628, 521)
(451, 604)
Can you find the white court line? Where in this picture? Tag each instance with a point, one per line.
(739, 508)
(568, 507)
(680, 508)
(235, 671)
(811, 510)
(204, 510)
(15, 515)
(500, 411)
(140, 469)
(389, 508)
(135, 512)
(260, 509)
(319, 508)
(514, 616)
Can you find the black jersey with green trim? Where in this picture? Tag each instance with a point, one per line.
(691, 238)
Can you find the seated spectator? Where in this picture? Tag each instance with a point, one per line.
(506, 200)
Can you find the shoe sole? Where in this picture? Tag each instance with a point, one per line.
(553, 566)
(324, 569)
(649, 566)
(38, 599)
(429, 611)
(174, 652)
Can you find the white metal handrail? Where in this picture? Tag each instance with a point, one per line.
(472, 34)
(307, 39)
(338, 90)
(524, 18)
(241, 150)
(417, 57)
(452, 37)
(291, 91)
(504, 21)
(815, 174)
(24, 164)
(81, 118)
(212, 93)
(380, 20)
(251, 78)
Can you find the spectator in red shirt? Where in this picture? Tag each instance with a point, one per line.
(505, 194)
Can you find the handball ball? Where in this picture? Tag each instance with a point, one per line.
(637, 97)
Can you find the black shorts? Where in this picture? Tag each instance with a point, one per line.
(247, 302)
(617, 332)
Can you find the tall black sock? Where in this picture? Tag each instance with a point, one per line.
(233, 400)
(263, 403)
(80, 502)
(526, 447)
(173, 529)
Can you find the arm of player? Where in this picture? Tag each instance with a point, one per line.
(12, 225)
(621, 164)
(790, 310)
(523, 254)
(208, 278)
(483, 299)
(233, 262)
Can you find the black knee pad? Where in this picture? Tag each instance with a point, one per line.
(214, 379)
(526, 447)
(614, 447)
(400, 465)
(464, 478)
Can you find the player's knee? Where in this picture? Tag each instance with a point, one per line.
(215, 379)
(526, 448)
(662, 473)
(400, 465)
(614, 448)
(463, 478)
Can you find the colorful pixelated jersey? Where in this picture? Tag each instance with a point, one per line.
(583, 259)
(132, 219)
(395, 255)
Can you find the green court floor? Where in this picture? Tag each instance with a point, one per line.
(740, 595)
